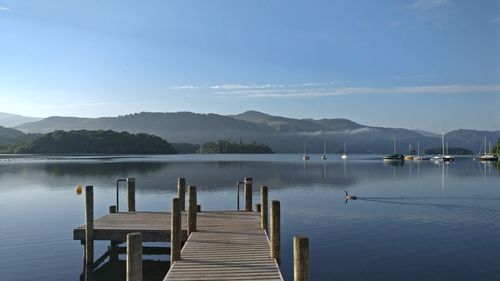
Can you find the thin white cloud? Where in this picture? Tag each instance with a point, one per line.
(270, 86)
(187, 87)
(314, 84)
(240, 86)
(5, 9)
(323, 92)
(425, 5)
(496, 20)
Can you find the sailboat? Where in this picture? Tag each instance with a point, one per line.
(305, 156)
(395, 156)
(487, 156)
(418, 156)
(324, 156)
(344, 155)
(444, 156)
(411, 153)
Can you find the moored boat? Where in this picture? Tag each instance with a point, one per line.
(487, 156)
(305, 156)
(344, 155)
(395, 156)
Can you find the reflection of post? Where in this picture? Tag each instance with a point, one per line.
(442, 176)
(275, 232)
(134, 257)
(324, 171)
(131, 194)
(248, 194)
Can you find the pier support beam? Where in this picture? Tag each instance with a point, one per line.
(131, 194)
(175, 232)
(89, 225)
(264, 209)
(181, 192)
(134, 257)
(300, 258)
(192, 209)
(248, 194)
(275, 231)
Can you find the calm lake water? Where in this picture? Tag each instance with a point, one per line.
(417, 221)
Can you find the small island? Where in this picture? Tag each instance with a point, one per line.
(228, 146)
(95, 142)
(451, 150)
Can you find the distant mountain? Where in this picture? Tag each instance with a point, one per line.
(283, 124)
(174, 127)
(12, 120)
(282, 134)
(471, 139)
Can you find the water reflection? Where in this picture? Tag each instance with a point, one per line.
(443, 217)
(115, 270)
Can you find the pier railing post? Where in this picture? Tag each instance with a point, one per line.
(134, 257)
(192, 209)
(300, 258)
(248, 194)
(181, 192)
(264, 209)
(274, 238)
(175, 231)
(131, 194)
(89, 225)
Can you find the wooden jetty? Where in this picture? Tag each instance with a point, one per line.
(228, 245)
(214, 245)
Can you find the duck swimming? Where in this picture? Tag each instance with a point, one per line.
(349, 197)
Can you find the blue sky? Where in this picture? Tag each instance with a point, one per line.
(427, 64)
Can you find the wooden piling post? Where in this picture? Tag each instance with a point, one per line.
(181, 192)
(192, 209)
(300, 258)
(274, 238)
(131, 194)
(175, 232)
(264, 208)
(248, 194)
(89, 225)
(134, 257)
(113, 245)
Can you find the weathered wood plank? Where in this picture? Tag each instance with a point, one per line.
(227, 246)
(154, 227)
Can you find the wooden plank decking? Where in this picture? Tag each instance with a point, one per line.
(154, 226)
(228, 245)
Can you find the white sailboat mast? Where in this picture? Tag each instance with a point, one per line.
(442, 142)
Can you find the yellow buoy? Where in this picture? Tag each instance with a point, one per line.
(78, 189)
